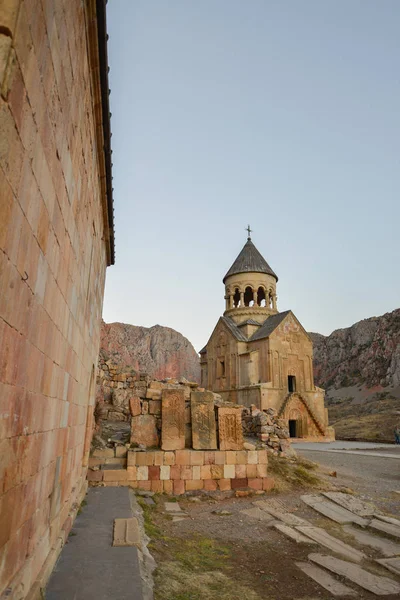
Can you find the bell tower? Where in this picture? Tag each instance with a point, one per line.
(250, 286)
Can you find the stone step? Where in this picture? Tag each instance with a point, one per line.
(291, 533)
(333, 511)
(388, 528)
(287, 518)
(386, 519)
(325, 580)
(385, 546)
(380, 586)
(126, 532)
(322, 537)
(351, 503)
(257, 513)
(393, 564)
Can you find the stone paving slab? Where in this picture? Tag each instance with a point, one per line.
(351, 503)
(388, 520)
(287, 518)
(380, 586)
(294, 535)
(172, 507)
(257, 513)
(126, 532)
(325, 580)
(393, 564)
(385, 546)
(322, 537)
(333, 511)
(387, 528)
(89, 566)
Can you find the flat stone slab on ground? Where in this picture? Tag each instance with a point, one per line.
(291, 533)
(172, 507)
(351, 503)
(385, 546)
(182, 517)
(333, 511)
(322, 537)
(386, 519)
(387, 528)
(325, 580)
(287, 518)
(380, 586)
(126, 532)
(257, 513)
(393, 564)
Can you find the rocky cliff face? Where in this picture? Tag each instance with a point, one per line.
(159, 351)
(367, 353)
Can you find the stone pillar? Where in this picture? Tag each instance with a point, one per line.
(241, 299)
(274, 301)
(227, 302)
(255, 297)
(231, 301)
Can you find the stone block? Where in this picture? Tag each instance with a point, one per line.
(157, 486)
(186, 472)
(219, 457)
(182, 457)
(154, 473)
(144, 430)
(126, 532)
(204, 435)
(205, 472)
(238, 483)
(224, 484)
(173, 420)
(145, 407)
(230, 428)
(103, 453)
(261, 471)
(179, 487)
(197, 457)
(144, 484)
(165, 473)
(155, 407)
(217, 472)
(262, 457)
(251, 471)
(252, 457)
(240, 471)
(155, 385)
(255, 484)
(230, 457)
(191, 484)
(133, 484)
(153, 394)
(132, 473)
(210, 485)
(121, 452)
(268, 484)
(169, 458)
(175, 472)
(142, 459)
(142, 473)
(229, 472)
(196, 472)
(135, 406)
(159, 458)
(132, 458)
(168, 487)
(115, 475)
(95, 475)
(209, 457)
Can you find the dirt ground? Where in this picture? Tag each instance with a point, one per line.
(213, 555)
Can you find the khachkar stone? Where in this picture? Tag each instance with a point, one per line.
(204, 431)
(230, 428)
(173, 420)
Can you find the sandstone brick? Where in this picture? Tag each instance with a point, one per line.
(251, 471)
(196, 472)
(157, 486)
(209, 457)
(142, 473)
(154, 473)
(262, 457)
(155, 407)
(121, 452)
(205, 472)
(220, 457)
(165, 472)
(261, 471)
(197, 457)
(132, 473)
(168, 487)
(135, 406)
(238, 483)
(192, 485)
(142, 459)
(217, 472)
(104, 453)
(175, 472)
(224, 484)
(144, 430)
(229, 472)
(210, 485)
(230, 457)
(133, 483)
(255, 484)
(268, 484)
(95, 475)
(252, 457)
(144, 485)
(182, 457)
(241, 457)
(179, 487)
(115, 475)
(159, 458)
(169, 458)
(240, 471)
(186, 472)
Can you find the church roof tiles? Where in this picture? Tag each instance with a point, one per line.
(250, 260)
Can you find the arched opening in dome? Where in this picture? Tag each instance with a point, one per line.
(236, 298)
(248, 296)
(261, 296)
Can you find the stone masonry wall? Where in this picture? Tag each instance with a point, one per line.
(52, 270)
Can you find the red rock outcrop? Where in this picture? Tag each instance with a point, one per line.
(159, 351)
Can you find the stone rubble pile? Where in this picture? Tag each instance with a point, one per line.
(268, 428)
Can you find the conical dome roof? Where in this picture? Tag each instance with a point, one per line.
(250, 260)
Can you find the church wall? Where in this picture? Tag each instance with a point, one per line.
(52, 269)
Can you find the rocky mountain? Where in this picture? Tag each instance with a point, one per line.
(159, 351)
(367, 353)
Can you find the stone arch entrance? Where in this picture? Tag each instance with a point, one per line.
(295, 423)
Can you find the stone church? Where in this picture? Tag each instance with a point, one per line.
(257, 355)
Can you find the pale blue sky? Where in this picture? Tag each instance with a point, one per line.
(284, 114)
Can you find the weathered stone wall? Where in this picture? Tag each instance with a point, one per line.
(52, 267)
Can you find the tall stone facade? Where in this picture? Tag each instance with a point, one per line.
(257, 355)
(56, 239)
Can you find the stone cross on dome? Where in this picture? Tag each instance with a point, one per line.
(249, 231)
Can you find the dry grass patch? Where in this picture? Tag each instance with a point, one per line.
(291, 474)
